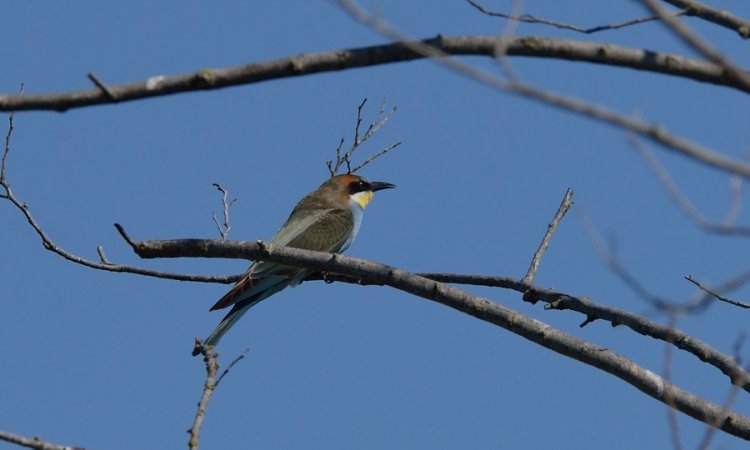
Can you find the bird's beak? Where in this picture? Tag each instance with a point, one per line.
(379, 185)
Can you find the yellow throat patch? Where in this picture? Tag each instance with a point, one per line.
(362, 198)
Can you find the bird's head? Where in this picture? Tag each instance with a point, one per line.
(360, 190)
(344, 191)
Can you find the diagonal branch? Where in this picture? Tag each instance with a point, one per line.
(687, 207)
(696, 43)
(715, 294)
(720, 17)
(567, 202)
(479, 307)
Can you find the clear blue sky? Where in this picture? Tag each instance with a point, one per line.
(102, 360)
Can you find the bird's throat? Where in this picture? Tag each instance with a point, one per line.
(362, 198)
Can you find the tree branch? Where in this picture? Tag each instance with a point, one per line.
(481, 308)
(648, 130)
(718, 296)
(567, 202)
(310, 63)
(36, 442)
(692, 213)
(696, 43)
(209, 386)
(720, 17)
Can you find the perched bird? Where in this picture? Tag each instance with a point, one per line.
(326, 220)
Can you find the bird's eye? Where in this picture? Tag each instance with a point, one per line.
(359, 186)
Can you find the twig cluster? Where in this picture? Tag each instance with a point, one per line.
(224, 227)
(344, 159)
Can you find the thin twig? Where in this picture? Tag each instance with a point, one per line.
(6, 149)
(718, 296)
(374, 156)
(726, 227)
(225, 226)
(100, 84)
(229, 367)
(102, 255)
(36, 443)
(359, 139)
(526, 18)
(209, 386)
(50, 245)
(697, 43)
(567, 202)
(102, 264)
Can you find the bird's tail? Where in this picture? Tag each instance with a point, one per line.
(237, 311)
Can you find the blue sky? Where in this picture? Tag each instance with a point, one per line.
(102, 360)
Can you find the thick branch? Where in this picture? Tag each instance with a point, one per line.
(311, 63)
(697, 43)
(718, 16)
(479, 307)
(35, 442)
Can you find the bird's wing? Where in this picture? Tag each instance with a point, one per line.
(325, 230)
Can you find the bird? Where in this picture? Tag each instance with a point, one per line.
(325, 220)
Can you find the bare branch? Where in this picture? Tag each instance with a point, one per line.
(102, 255)
(225, 226)
(360, 139)
(696, 43)
(597, 311)
(374, 156)
(229, 367)
(683, 203)
(718, 16)
(648, 130)
(103, 264)
(311, 63)
(567, 202)
(365, 272)
(463, 301)
(526, 18)
(716, 294)
(6, 150)
(36, 443)
(209, 386)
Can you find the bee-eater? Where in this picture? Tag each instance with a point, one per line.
(326, 220)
